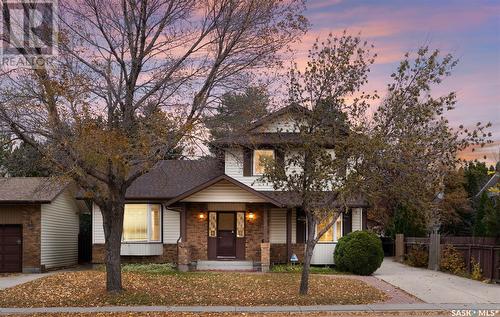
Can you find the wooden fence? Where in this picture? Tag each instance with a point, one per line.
(484, 250)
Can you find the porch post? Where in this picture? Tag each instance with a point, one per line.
(288, 234)
(265, 225)
(183, 223)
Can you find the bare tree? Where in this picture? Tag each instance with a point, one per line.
(343, 153)
(130, 83)
(321, 167)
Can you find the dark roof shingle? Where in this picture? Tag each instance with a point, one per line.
(171, 178)
(30, 189)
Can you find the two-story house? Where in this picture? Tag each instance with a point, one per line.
(216, 214)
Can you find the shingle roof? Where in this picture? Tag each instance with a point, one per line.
(291, 199)
(171, 178)
(30, 189)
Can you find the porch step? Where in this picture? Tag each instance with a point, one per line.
(204, 265)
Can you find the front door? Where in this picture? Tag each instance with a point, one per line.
(226, 235)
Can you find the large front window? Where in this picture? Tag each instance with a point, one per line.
(334, 233)
(142, 223)
(259, 158)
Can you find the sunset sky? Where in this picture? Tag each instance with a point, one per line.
(470, 30)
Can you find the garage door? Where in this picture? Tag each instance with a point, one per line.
(11, 248)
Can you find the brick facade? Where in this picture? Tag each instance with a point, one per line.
(29, 216)
(254, 233)
(197, 231)
(195, 246)
(279, 254)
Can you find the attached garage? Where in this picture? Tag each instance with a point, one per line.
(39, 224)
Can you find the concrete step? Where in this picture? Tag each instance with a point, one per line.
(204, 265)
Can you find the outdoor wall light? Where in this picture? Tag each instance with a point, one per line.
(201, 216)
(251, 216)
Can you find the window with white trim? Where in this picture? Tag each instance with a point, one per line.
(142, 223)
(334, 233)
(259, 158)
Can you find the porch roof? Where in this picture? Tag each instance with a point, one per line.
(215, 180)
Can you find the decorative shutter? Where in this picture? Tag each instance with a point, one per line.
(300, 230)
(247, 162)
(347, 223)
(280, 158)
(364, 214)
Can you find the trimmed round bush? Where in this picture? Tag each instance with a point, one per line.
(359, 252)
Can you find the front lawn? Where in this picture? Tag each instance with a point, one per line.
(87, 288)
(297, 268)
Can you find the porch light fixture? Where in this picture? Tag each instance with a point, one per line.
(251, 216)
(201, 216)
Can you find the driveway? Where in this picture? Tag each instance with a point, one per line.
(437, 287)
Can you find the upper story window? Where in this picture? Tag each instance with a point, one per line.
(142, 223)
(259, 156)
(334, 233)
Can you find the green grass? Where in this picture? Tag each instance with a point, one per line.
(297, 268)
(150, 268)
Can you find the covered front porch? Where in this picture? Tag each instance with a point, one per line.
(238, 232)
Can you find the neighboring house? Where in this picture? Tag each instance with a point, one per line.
(39, 223)
(188, 212)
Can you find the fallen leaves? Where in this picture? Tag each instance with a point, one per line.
(87, 288)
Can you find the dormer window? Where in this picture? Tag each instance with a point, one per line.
(259, 157)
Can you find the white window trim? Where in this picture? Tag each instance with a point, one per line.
(149, 226)
(334, 227)
(254, 161)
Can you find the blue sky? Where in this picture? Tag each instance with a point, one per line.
(470, 30)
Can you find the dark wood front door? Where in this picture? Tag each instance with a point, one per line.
(11, 248)
(226, 235)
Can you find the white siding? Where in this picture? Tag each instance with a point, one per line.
(323, 253)
(234, 168)
(283, 123)
(277, 225)
(141, 249)
(223, 191)
(97, 229)
(357, 218)
(59, 231)
(171, 226)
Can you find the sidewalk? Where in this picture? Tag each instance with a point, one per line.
(257, 309)
(17, 279)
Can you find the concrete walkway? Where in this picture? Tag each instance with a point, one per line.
(437, 287)
(17, 279)
(491, 308)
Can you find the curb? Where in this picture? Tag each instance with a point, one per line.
(257, 309)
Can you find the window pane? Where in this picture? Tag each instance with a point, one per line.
(155, 222)
(258, 160)
(226, 221)
(328, 236)
(135, 222)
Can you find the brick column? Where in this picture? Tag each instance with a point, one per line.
(265, 256)
(184, 256)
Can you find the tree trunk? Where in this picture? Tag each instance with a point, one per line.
(310, 244)
(113, 228)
